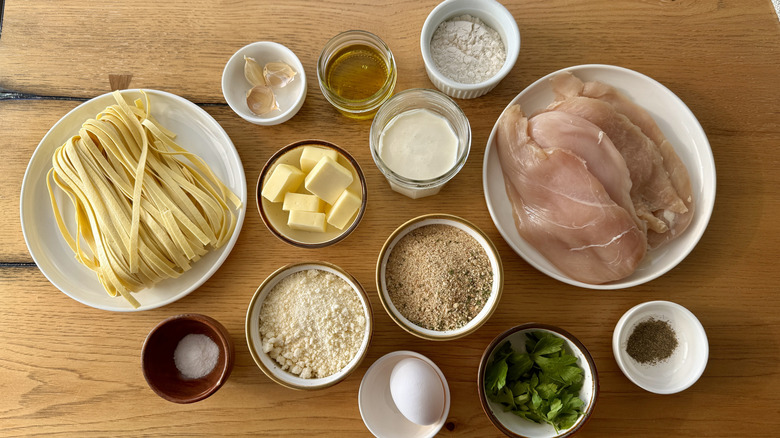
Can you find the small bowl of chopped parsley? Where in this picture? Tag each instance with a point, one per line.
(537, 380)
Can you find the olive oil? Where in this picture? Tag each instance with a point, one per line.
(356, 72)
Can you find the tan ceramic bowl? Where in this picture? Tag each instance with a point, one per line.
(268, 365)
(473, 231)
(276, 219)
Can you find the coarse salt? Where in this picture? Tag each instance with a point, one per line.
(195, 356)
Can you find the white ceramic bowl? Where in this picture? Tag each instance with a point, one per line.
(680, 127)
(515, 426)
(495, 15)
(473, 231)
(268, 365)
(377, 408)
(686, 364)
(235, 85)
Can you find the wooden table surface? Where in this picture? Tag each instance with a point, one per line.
(70, 370)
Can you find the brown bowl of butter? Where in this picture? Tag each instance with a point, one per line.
(311, 194)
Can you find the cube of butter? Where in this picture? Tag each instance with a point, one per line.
(312, 154)
(328, 179)
(302, 202)
(306, 221)
(344, 209)
(285, 178)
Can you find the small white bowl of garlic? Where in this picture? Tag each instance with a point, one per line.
(264, 83)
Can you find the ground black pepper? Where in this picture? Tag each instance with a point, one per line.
(651, 341)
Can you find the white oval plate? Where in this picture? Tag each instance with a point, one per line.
(196, 131)
(678, 124)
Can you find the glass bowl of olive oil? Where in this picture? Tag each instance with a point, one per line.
(357, 73)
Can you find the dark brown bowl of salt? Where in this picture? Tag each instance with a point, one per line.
(187, 358)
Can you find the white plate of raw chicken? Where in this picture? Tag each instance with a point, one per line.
(679, 126)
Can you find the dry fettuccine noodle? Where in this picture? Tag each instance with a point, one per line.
(145, 207)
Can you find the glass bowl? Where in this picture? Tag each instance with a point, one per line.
(439, 104)
(340, 85)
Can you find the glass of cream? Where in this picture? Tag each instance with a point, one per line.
(420, 139)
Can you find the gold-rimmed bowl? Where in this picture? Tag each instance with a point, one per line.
(254, 340)
(517, 427)
(473, 231)
(276, 219)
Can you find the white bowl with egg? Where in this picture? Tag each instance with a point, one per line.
(271, 367)
(688, 360)
(235, 86)
(495, 265)
(495, 16)
(405, 395)
(419, 140)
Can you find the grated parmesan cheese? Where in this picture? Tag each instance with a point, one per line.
(312, 323)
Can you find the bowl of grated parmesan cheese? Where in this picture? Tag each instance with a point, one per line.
(308, 325)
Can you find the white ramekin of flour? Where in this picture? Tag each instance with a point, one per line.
(469, 46)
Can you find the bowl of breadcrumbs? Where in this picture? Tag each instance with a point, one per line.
(439, 277)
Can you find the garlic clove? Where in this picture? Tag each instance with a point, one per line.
(261, 100)
(253, 72)
(278, 74)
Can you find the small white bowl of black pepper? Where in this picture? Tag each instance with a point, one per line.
(661, 347)
(439, 277)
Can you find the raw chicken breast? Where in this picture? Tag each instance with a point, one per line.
(661, 186)
(586, 140)
(564, 211)
(674, 166)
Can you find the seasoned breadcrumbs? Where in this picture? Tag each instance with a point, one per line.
(439, 277)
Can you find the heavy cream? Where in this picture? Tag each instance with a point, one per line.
(419, 144)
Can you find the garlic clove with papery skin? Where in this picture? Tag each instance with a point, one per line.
(278, 74)
(253, 72)
(261, 100)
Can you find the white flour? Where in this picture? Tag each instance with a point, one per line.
(467, 50)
